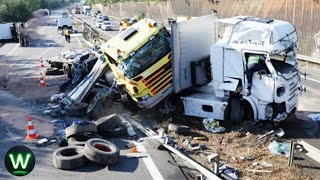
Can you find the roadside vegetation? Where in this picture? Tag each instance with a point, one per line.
(22, 10)
(104, 2)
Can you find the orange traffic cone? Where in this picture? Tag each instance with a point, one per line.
(31, 133)
(42, 83)
(134, 149)
(41, 62)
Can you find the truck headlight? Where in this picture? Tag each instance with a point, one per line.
(269, 111)
(145, 97)
(280, 91)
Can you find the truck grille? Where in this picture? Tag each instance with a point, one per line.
(159, 80)
(293, 93)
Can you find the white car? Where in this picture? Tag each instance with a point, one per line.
(99, 23)
(99, 17)
(106, 26)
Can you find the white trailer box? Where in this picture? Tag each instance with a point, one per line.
(5, 31)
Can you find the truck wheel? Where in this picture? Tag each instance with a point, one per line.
(69, 157)
(111, 126)
(129, 102)
(237, 111)
(67, 71)
(109, 76)
(78, 140)
(76, 109)
(101, 151)
(75, 129)
(94, 109)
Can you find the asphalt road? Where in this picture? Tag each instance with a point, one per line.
(23, 97)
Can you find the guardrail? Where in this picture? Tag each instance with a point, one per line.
(308, 59)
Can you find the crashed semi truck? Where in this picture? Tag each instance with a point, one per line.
(202, 66)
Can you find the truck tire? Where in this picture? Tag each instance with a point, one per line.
(76, 109)
(101, 151)
(69, 157)
(237, 111)
(129, 102)
(111, 126)
(94, 109)
(75, 129)
(53, 71)
(67, 71)
(78, 140)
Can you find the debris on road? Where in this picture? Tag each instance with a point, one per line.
(279, 133)
(70, 157)
(80, 127)
(178, 128)
(213, 126)
(314, 117)
(111, 126)
(279, 148)
(101, 151)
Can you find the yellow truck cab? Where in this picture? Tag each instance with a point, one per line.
(140, 59)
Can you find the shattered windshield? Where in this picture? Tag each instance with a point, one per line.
(147, 55)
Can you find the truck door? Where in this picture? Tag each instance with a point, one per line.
(191, 41)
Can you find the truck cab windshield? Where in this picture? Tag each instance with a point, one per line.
(154, 50)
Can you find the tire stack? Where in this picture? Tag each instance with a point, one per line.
(83, 146)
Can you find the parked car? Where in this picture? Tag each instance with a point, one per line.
(106, 26)
(99, 23)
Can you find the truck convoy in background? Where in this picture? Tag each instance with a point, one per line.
(14, 32)
(201, 68)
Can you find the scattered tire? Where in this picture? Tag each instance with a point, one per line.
(53, 71)
(76, 109)
(94, 109)
(67, 71)
(78, 140)
(80, 128)
(69, 157)
(101, 151)
(178, 128)
(111, 126)
(237, 111)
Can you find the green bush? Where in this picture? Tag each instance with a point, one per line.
(21, 10)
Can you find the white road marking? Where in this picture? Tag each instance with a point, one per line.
(152, 168)
(314, 80)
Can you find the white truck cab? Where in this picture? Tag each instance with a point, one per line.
(210, 69)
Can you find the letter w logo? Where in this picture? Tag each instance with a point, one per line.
(19, 161)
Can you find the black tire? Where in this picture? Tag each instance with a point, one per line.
(53, 71)
(236, 111)
(129, 102)
(69, 157)
(56, 65)
(101, 151)
(109, 77)
(76, 109)
(94, 108)
(75, 129)
(79, 140)
(111, 126)
(67, 71)
(178, 128)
